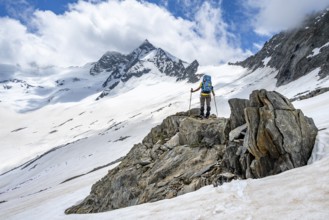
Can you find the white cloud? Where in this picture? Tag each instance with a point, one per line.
(20, 9)
(221, 45)
(257, 46)
(88, 30)
(19, 46)
(272, 16)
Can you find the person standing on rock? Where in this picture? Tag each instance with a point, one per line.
(205, 96)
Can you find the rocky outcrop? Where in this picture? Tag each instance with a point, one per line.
(107, 62)
(190, 73)
(279, 137)
(296, 52)
(237, 112)
(185, 153)
(310, 94)
(171, 160)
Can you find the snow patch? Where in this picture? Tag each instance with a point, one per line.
(266, 60)
(149, 56)
(316, 51)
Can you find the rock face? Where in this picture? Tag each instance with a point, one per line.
(237, 112)
(185, 153)
(278, 136)
(171, 160)
(139, 62)
(296, 52)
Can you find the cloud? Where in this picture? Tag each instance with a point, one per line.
(19, 46)
(88, 29)
(187, 9)
(19, 9)
(220, 42)
(257, 46)
(272, 16)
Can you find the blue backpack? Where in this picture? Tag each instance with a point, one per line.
(206, 84)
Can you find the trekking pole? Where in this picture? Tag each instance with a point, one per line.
(215, 105)
(189, 108)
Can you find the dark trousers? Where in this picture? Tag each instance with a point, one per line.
(203, 100)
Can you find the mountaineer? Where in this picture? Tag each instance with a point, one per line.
(205, 96)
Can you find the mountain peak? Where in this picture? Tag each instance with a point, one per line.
(111, 53)
(144, 48)
(144, 59)
(146, 41)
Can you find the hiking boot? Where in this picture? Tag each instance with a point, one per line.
(208, 112)
(202, 111)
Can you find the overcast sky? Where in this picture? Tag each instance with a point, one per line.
(71, 32)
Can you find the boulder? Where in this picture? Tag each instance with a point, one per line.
(238, 133)
(237, 112)
(279, 136)
(194, 132)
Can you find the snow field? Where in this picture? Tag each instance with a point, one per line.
(93, 134)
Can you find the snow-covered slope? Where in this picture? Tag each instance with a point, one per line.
(79, 141)
(27, 90)
(65, 122)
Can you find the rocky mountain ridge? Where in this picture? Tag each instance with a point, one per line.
(296, 52)
(42, 86)
(122, 67)
(185, 153)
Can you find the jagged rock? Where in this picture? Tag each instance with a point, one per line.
(190, 71)
(194, 132)
(238, 133)
(194, 112)
(172, 142)
(184, 153)
(225, 177)
(311, 94)
(278, 136)
(138, 53)
(107, 62)
(166, 164)
(271, 100)
(121, 68)
(237, 107)
(164, 62)
(231, 158)
(294, 53)
(168, 128)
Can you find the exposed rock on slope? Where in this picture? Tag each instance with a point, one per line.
(170, 161)
(185, 153)
(278, 136)
(296, 52)
(237, 112)
(310, 94)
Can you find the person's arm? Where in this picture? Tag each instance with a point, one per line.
(197, 89)
(213, 92)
